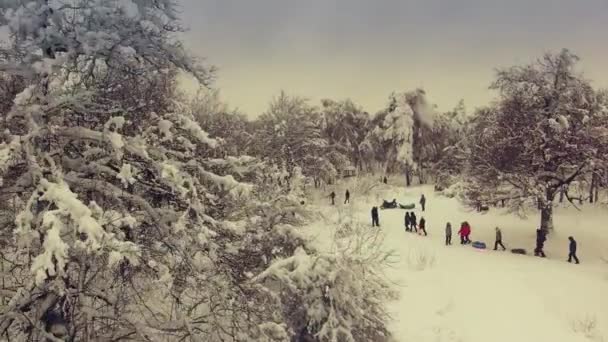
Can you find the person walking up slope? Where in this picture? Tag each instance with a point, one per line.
(347, 197)
(422, 226)
(333, 198)
(448, 234)
(422, 202)
(499, 240)
(572, 248)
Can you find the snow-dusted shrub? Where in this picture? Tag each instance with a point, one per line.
(588, 327)
(421, 259)
(456, 189)
(365, 185)
(337, 295)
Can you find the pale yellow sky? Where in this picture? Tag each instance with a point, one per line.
(353, 49)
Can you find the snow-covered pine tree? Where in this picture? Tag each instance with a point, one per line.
(389, 140)
(545, 131)
(424, 118)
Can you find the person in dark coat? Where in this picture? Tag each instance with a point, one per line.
(375, 218)
(333, 198)
(422, 202)
(572, 248)
(413, 222)
(448, 234)
(499, 240)
(347, 197)
(385, 180)
(422, 226)
(540, 243)
(407, 221)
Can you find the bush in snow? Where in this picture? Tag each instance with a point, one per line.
(421, 259)
(337, 295)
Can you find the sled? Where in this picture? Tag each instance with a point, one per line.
(388, 205)
(479, 245)
(407, 206)
(518, 251)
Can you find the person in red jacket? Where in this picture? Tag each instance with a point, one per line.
(465, 231)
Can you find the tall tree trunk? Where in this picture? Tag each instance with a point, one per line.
(421, 175)
(546, 211)
(408, 174)
(597, 187)
(592, 188)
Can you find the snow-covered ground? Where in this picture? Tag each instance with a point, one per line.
(458, 293)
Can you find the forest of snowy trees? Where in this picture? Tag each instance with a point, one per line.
(132, 212)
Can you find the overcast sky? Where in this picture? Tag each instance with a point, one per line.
(365, 49)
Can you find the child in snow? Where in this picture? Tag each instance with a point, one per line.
(499, 240)
(422, 202)
(465, 231)
(572, 249)
(448, 234)
(422, 225)
(407, 221)
(333, 198)
(347, 197)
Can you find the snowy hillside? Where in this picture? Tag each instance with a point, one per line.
(458, 293)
